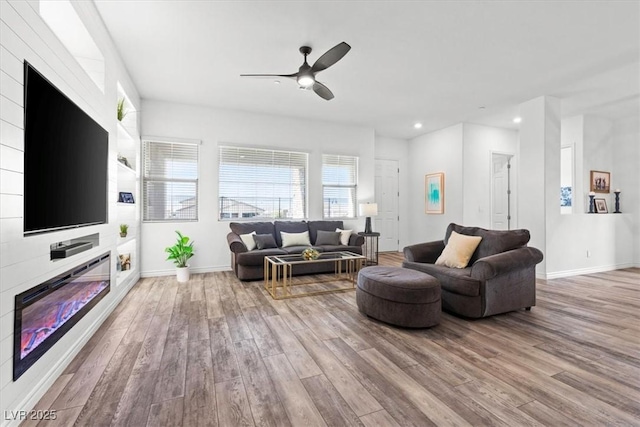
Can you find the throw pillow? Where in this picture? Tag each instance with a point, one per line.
(459, 250)
(247, 239)
(345, 235)
(331, 238)
(295, 239)
(265, 241)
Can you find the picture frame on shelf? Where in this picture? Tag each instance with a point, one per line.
(600, 182)
(125, 262)
(434, 193)
(601, 206)
(124, 197)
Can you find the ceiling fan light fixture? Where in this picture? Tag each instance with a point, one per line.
(306, 80)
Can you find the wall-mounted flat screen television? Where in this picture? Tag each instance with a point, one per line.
(65, 160)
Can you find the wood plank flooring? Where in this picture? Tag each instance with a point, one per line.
(220, 352)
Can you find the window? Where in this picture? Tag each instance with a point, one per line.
(339, 186)
(170, 181)
(259, 184)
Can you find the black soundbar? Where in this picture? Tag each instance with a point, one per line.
(69, 250)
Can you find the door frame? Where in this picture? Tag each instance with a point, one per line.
(397, 197)
(513, 185)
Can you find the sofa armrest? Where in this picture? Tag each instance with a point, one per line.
(495, 265)
(356, 240)
(424, 252)
(236, 244)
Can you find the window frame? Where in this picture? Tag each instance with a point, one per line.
(354, 186)
(144, 178)
(239, 218)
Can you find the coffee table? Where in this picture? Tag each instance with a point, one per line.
(278, 273)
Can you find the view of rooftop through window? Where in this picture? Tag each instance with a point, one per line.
(259, 183)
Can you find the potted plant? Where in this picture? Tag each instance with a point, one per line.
(180, 254)
(122, 112)
(124, 228)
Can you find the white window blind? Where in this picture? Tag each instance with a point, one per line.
(170, 181)
(339, 186)
(258, 183)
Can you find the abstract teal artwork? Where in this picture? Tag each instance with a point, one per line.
(434, 193)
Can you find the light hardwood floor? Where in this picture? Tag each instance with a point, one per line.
(217, 351)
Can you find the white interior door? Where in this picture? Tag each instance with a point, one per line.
(386, 196)
(500, 191)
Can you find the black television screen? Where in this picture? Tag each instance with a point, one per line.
(65, 160)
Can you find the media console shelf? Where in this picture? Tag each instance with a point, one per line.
(69, 248)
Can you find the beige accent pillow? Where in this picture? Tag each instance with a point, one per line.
(459, 250)
(295, 239)
(247, 239)
(344, 236)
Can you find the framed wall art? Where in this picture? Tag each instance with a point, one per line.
(434, 193)
(600, 181)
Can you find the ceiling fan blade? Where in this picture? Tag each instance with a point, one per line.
(322, 91)
(269, 76)
(330, 57)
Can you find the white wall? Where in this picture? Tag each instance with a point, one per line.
(582, 243)
(217, 126)
(25, 261)
(398, 149)
(439, 151)
(479, 143)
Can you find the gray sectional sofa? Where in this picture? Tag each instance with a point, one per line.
(249, 265)
(500, 276)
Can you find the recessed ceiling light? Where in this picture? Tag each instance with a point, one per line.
(276, 82)
(517, 119)
(417, 125)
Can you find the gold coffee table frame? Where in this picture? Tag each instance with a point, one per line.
(278, 272)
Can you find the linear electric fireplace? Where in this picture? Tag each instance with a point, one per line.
(45, 313)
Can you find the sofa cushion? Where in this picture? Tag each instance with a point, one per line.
(458, 251)
(328, 238)
(314, 226)
(455, 280)
(289, 227)
(345, 235)
(248, 227)
(248, 240)
(493, 241)
(295, 239)
(299, 249)
(256, 257)
(341, 248)
(264, 241)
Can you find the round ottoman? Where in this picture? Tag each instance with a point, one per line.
(399, 296)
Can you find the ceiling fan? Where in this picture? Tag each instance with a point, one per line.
(306, 75)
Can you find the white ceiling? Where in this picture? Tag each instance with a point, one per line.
(436, 62)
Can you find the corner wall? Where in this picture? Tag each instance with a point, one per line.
(218, 126)
(25, 261)
(439, 151)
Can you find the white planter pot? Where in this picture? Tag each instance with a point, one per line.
(182, 274)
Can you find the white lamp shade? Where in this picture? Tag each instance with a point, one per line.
(368, 209)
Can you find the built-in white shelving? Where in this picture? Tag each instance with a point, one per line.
(128, 181)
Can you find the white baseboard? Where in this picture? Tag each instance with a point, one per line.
(36, 393)
(195, 270)
(587, 270)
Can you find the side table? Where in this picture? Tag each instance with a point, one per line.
(370, 248)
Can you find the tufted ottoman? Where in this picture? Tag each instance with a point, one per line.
(399, 296)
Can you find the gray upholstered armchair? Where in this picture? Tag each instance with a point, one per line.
(500, 276)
